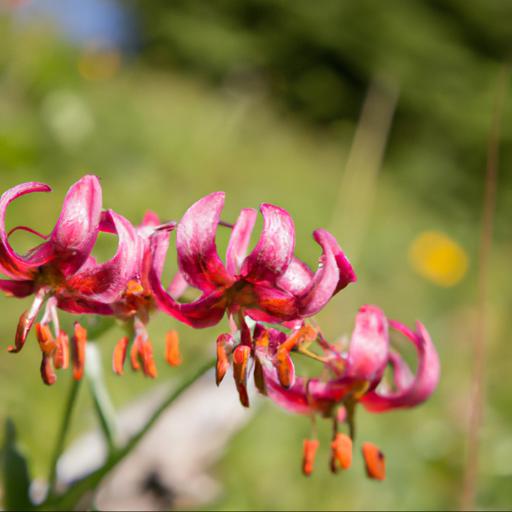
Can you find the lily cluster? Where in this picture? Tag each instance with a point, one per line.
(268, 296)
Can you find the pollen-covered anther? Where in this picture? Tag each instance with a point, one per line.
(61, 354)
(172, 349)
(47, 371)
(285, 368)
(46, 342)
(240, 362)
(341, 452)
(374, 461)
(24, 324)
(134, 288)
(145, 352)
(224, 343)
(78, 341)
(119, 355)
(308, 460)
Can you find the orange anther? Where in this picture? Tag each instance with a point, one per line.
(240, 360)
(134, 288)
(47, 371)
(24, 325)
(259, 379)
(79, 341)
(308, 461)
(134, 354)
(285, 369)
(119, 355)
(172, 348)
(148, 362)
(223, 341)
(46, 342)
(341, 448)
(61, 355)
(374, 461)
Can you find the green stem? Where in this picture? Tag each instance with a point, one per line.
(75, 493)
(100, 396)
(61, 438)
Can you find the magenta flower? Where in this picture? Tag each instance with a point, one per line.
(61, 271)
(354, 376)
(269, 284)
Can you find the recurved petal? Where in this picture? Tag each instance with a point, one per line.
(239, 240)
(11, 263)
(368, 352)
(75, 233)
(424, 382)
(17, 288)
(346, 272)
(195, 244)
(104, 282)
(274, 250)
(323, 284)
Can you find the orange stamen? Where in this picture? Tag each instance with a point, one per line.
(46, 342)
(134, 354)
(134, 288)
(172, 348)
(148, 362)
(240, 360)
(341, 448)
(222, 359)
(47, 371)
(119, 355)
(374, 461)
(285, 370)
(21, 332)
(308, 461)
(79, 341)
(259, 380)
(61, 356)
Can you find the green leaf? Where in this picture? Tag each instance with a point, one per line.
(16, 478)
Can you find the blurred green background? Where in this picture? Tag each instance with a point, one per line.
(168, 101)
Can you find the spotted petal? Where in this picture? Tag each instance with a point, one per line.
(425, 381)
(198, 259)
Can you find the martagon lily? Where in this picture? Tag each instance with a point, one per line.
(269, 285)
(351, 376)
(62, 273)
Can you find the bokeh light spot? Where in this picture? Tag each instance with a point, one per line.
(438, 258)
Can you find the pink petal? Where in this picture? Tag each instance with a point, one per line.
(195, 244)
(297, 277)
(18, 289)
(11, 263)
(150, 219)
(154, 254)
(368, 352)
(402, 375)
(425, 381)
(77, 228)
(106, 281)
(177, 286)
(204, 312)
(346, 272)
(274, 250)
(239, 240)
(83, 306)
(325, 280)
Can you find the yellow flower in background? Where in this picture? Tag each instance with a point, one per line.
(438, 258)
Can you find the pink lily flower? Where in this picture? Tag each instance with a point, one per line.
(137, 302)
(354, 376)
(61, 273)
(269, 284)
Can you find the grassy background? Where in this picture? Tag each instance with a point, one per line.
(161, 139)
